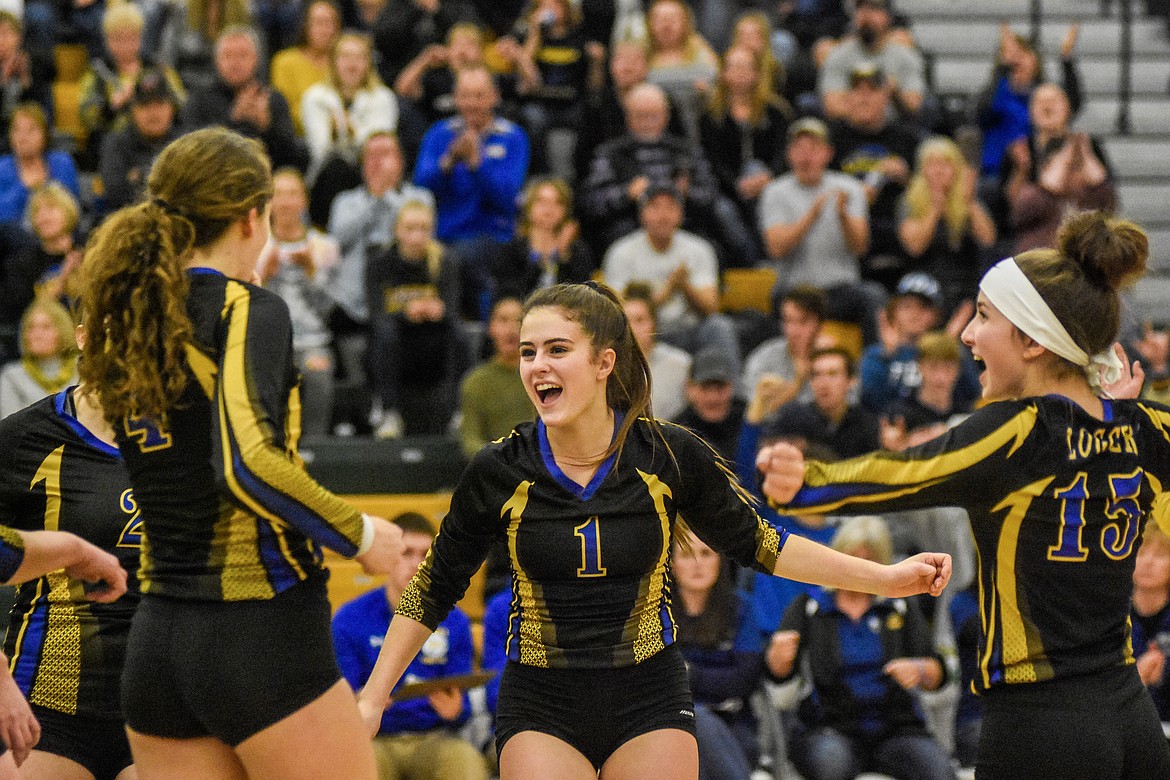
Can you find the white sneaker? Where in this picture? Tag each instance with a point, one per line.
(391, 425)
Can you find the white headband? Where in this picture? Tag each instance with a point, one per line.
(1010, 291)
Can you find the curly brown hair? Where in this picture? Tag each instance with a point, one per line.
(134, 301)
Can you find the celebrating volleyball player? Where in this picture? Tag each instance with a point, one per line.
(587, 499)
(229, 668)
(1058, 482)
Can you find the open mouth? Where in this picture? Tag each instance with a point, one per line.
(547, 392)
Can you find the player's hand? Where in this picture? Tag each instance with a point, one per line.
(104, 576)
(447, 703)
(385, 550)
(783, 468)
(923, 573)
(371, 713)
(18, 726)
(1129, 383)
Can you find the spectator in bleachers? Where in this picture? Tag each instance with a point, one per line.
(417, 349)
(361, 219)
(241, 101)
(865, 657)
(428, 80)
(876, 40)
(31, 163)
(786, 359)
(744, 129)
(876, 148)
(713, 411)
(931, 407)
(418, 738)
(406, 28)
(683, 270)
(25, 76)
(724, 657)
(48, 357)
(107, 88)
(649, 154)
(128, 153)
(339, 114)
(295, 265)
(57, 250)
(475, 164)
(815, 225)
(1150, 615)
(191, 37)
(1154, 349)
(944, 228)
(547, 248)
(295, 69)
(669, 365)
(830, 419)
(1053, 170)
(753, 31)
(680, 60)
(889, 368)
(567, 66)
(606, 104)
(1002, 110)
(493, 400)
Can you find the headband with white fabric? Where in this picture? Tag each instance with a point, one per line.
(1010, 291)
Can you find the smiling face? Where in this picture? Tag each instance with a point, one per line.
(352, 62)
(41, 339)
(563, 374)
(998, 345)
(698, 569)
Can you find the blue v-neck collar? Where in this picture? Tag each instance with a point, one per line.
(582, 492)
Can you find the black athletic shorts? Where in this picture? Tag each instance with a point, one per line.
(1100, 726)
(226, 669)
(596, 710)
(98, 744)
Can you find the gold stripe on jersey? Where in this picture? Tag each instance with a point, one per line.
(253, 450)
(910, 476)
(1159, 418)
(59, 673)
(536, 636)
(203, 368)
(242, 561)
(1024, 658)
(652, 589)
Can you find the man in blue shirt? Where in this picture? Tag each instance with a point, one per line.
(475, 164)
(417, 739)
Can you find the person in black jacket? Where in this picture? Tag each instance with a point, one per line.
(240, 101)
(127, 154)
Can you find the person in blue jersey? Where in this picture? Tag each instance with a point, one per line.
(418, 739)
(64, 472)
(586, 500)
(230, 671)
(1058, 480)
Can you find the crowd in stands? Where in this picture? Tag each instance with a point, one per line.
(438, 160)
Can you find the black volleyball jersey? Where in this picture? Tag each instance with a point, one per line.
(591, 575)
(230, 513)
(1057, 501)
(66, 653)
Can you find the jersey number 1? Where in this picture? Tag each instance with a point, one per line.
(590, 534)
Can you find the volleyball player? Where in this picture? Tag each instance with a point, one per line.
(229, 669)
(586, 499)
(63, 472)
(1058, 483)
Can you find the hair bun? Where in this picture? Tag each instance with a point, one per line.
(1112, 252)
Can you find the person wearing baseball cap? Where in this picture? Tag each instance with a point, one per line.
(128, 153)
(712, 409)
(889, 368)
